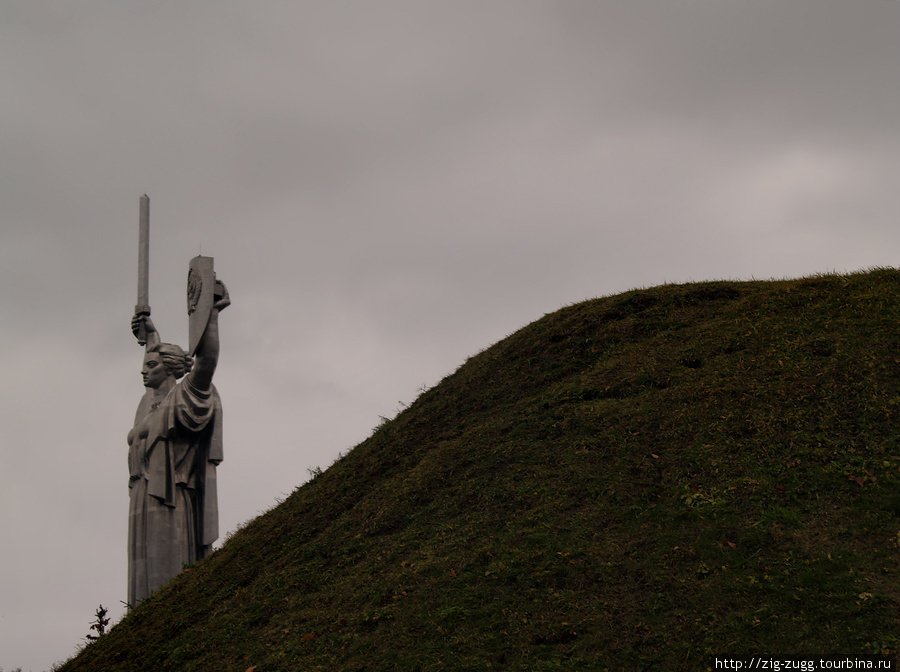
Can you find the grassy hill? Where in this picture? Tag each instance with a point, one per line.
(637, 482)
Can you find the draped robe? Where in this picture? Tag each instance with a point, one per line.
(173, 519)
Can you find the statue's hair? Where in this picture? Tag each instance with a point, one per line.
(174, 359)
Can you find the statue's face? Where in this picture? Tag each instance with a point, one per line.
(153, 372)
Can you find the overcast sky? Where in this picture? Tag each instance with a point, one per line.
(387, 188)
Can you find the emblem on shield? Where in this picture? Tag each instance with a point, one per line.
(201, 288)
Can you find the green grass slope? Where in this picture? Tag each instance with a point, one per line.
(637, 482)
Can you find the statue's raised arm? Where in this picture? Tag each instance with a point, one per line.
(207, 353)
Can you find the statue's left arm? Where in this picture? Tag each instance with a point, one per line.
(207, 354)
(199, 386)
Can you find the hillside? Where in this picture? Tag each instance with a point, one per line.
(637, 482)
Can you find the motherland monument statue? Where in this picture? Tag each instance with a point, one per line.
(176, 442)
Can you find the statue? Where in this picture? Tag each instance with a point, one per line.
(176, 442)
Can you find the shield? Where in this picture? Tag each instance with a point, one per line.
(201, 288)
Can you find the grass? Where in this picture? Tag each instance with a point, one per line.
(637, 482)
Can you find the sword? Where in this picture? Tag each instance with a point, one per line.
(143, 293)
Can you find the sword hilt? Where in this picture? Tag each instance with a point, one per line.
(142, 331)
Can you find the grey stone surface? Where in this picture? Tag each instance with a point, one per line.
(143, 294)
(200, 298)
(173, 451)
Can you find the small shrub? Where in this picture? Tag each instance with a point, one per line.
(99, 624)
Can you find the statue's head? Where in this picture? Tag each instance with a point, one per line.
(162, 361)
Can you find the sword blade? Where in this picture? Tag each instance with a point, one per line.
(143, 294)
